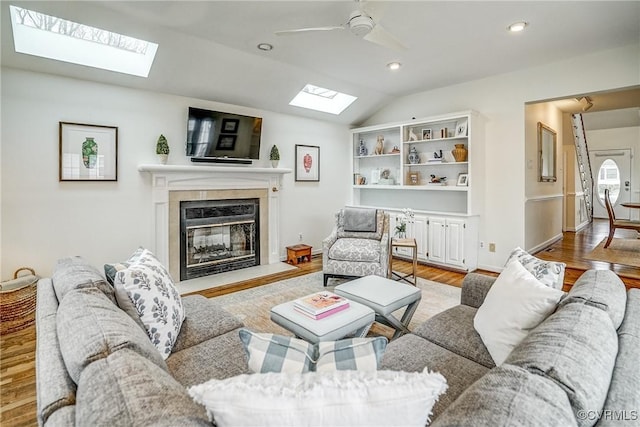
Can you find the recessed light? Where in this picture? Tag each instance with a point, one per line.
(394, 65)
(517, 26)
(265, 46)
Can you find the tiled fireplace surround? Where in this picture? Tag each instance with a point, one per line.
(172, 184)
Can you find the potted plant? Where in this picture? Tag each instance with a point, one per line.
(162, 149)
(274, 156)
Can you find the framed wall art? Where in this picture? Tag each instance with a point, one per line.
(88, 152)
(230, 125)
(307, 163)
(463, 180)
(226, 142)
(426, 133)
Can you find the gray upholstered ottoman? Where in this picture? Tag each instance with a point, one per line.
(384, 296)
(355, 320)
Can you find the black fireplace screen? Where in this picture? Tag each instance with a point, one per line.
(218, 236)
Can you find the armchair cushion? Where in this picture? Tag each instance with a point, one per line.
(376, 235)
(360, 250)
(360, 219)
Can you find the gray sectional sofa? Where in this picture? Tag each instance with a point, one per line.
(96, 366)
(578, 367)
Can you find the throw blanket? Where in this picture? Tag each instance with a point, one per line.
(360, 219)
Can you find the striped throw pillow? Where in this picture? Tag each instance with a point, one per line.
(277, 353)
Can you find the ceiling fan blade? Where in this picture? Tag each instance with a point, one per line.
(375, 9)
(306, 30)
(384, 38)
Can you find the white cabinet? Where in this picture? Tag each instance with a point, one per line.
(417, 164)
(450, 242)
(416, 228)
(437, 237)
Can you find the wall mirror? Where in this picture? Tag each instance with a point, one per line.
(547, 152)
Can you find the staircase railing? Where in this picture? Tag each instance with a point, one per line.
(584, 164)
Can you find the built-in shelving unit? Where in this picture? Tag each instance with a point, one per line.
(415, 153)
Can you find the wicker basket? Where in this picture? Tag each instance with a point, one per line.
(18, 301)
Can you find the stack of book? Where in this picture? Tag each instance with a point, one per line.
(320, 305)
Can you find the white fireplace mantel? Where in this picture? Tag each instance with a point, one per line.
(167, 178)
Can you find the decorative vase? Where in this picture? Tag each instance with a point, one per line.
(414, 158)
(274, 163)
(362, 150)
(162, 158)
(459, 153)
(89, 153)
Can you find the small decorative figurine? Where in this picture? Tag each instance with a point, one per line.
(412, 135)
(438, 180)
(436, 155)
(379, 145)
(395, 149)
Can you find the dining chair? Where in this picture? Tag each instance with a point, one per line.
(617, 223)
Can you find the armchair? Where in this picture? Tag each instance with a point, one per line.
(358, 245)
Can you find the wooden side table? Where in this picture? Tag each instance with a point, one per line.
(404, 243)
(298, 252)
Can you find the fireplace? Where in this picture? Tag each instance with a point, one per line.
(218, 236)
(173, 184)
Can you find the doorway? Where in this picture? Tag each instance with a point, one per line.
(611, 170)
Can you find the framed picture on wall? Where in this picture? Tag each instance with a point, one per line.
(226, 142)
(88, 152)
(230, 125)
(307, 163)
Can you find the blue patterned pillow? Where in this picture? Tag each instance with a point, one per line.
(155, 299)
(549, 273)
(110, 270)
(277, 353)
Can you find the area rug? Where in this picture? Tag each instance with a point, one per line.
(620, 251)
(252, 305)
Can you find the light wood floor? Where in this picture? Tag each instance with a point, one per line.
(17, 350)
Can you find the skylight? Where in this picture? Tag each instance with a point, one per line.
(35, 33)
(321, 99)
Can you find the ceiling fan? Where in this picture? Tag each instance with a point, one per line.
(361, 24)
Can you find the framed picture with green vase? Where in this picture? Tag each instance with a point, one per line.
(88, 152)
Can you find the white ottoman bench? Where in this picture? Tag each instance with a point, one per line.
(384, 296)
(355, 320)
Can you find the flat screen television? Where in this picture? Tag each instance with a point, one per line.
(215, 135)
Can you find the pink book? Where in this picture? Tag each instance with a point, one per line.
(322, 315)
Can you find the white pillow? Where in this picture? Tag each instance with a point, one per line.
(547, 272)
(155, 298)
(516, 303)
(339, 398)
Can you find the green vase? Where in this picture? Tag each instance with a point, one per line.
(89, 153)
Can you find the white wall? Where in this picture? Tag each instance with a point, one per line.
(44, 219)
(543, 200)
(501, 101)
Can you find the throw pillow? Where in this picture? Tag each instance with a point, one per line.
(340, 398)
(110, 270)
(155, 298)
(516, 303)
(277, 353)
(549, 273)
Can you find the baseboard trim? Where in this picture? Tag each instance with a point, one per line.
(545, 244)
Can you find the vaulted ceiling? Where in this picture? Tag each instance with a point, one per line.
(208, 48)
